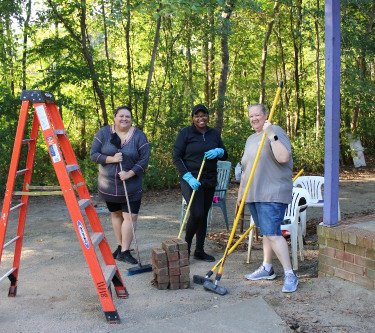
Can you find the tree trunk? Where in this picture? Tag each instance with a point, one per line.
(212, 51)
(150, 73)
(82, 40)
(296, 44)
(24, 49)
(222, 88)
(262, 96)
(128, 58)
(317, 75)
(107, 56)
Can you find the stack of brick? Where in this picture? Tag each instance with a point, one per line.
(170, 265)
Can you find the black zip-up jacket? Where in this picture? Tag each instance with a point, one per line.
(189, 149)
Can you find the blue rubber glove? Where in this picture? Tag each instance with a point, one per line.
(213, 153)
(193, 182)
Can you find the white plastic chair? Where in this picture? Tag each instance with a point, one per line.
(292, 223)
(314, 185)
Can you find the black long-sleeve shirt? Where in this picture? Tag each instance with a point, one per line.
(189, 149)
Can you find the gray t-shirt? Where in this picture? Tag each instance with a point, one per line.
(272, 181)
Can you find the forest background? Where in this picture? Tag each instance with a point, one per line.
(162, 57)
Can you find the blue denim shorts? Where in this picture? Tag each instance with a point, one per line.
(268, 216)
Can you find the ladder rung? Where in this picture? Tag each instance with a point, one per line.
(11, 241)
(21, 172)
(39, 193)
(83, 203)
(44, 187)
(60, 131)
(96, 238)
(109, 273)
(7, 273)
(72, 167)
(16, 206)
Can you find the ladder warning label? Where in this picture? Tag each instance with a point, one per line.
(83, 234)
(43, 120)
(55, 155)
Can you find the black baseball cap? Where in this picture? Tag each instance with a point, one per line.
(197, 108)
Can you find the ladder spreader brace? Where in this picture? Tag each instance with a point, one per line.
(46, 116)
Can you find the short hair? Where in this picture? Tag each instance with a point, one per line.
(123, 107)
(262, 107)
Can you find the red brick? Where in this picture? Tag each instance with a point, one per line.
(159, 264)
(364, 281)
(184, 254)
(162, 279)
(174, 286)
(185, 270)
(184, 278)
(174, 264)
(345, 236)
(327, 270)
(352, 238)
(174, 279)
(330, 261)
(339, 254)
(160, 271)
(174, 271)
(370, 273)
(172, 256)
(365, 262)
(181, 244)
(370, 254)
(360, 251)
(328, 251)
(335, 244)
(348, 257)
(162, 286)
(343, 274)
(184, 262)
(359, 270)
(364, 242)
(158, 254)
(169, 246)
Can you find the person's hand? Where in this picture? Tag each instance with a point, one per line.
(117, 158)
(267, 128)
(213, 153)
(125, 175)
(191, 180)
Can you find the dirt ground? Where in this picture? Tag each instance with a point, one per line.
(56, 293)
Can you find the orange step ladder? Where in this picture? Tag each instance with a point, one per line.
(46, 116)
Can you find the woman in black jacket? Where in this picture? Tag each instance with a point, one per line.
(192, 144)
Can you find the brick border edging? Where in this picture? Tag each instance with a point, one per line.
(348, 252)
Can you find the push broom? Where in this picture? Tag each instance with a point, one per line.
(208, 284)
(140, 268)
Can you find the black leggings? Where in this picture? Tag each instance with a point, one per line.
(197, 222)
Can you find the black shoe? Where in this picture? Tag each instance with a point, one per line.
(127, 257)
(116, 252)
(203, 256)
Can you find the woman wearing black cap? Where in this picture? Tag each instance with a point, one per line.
(192, 144)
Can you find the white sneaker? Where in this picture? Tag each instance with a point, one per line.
(261, 274)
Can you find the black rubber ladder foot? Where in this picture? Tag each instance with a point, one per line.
(12, 291)
(112, 317)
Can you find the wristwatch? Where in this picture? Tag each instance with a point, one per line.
(275, 138)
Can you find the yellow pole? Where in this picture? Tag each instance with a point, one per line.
(298, 174)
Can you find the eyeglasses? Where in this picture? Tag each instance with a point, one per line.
(201, 116)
